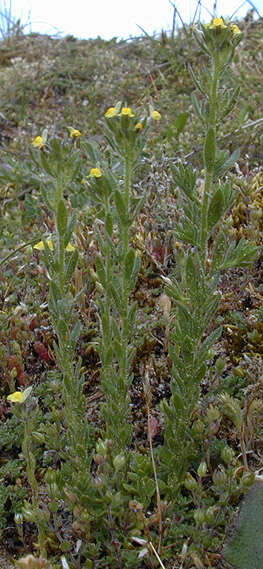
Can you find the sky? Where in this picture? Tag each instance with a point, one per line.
(114, 18)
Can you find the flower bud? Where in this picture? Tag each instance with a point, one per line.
(210, 515)
(18, 517)
(28, 513)
(227, 455)
(13, 373)
(210, 354)
(212, 414)
(190, 483)
(247, 480)
(101, 447)
(219, 478)
(202, 469)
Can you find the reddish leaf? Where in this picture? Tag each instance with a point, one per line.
(42, 351)
(14, 363)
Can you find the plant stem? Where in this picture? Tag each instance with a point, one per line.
(125, 286)
(209, 171)
(30, 463)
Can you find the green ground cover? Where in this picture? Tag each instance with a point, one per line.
(131, 296)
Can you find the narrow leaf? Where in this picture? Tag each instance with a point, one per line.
(180, 122)
(215, 210)
(129, 263)
(100, 269)
(121, 207)
(71, 265)
(62, 218)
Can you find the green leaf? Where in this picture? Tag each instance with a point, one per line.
(196, 80)
(136, 269)
(199, 373)
(176, 360)
(45, 165)
(55, 292)
(117, 297)
(71, 265)
(117, 347)
(221, 167)
(210, 149)
(46, 199)
(109, 224)
(132, 315)
(92, 151)
(185, 322)
(70, 228)
(109, 356)
(210, 308)
(75, 334)
(219, 251)
(129, 263)
(197, 108)
(188, 233)
(229, 195)
(62, 330)
(193, 274)
(180, 122)
(215, 210)
(56, 149)
(230, 103)
(136, 205)
(101, 271)
(185, 178)
(121, 208)
(116, 330)
(209, 342)
(241, 254)
(62, 218)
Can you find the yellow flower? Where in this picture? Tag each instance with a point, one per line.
(216, 24)
(70, 248)
(156, 116)
(74, 132)
(95, 173)
(138, 126)
(19, 396)
(38, 142)
(16, 397)
(111, 112)
(40, 246)
(126, 112)
(235, 30)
